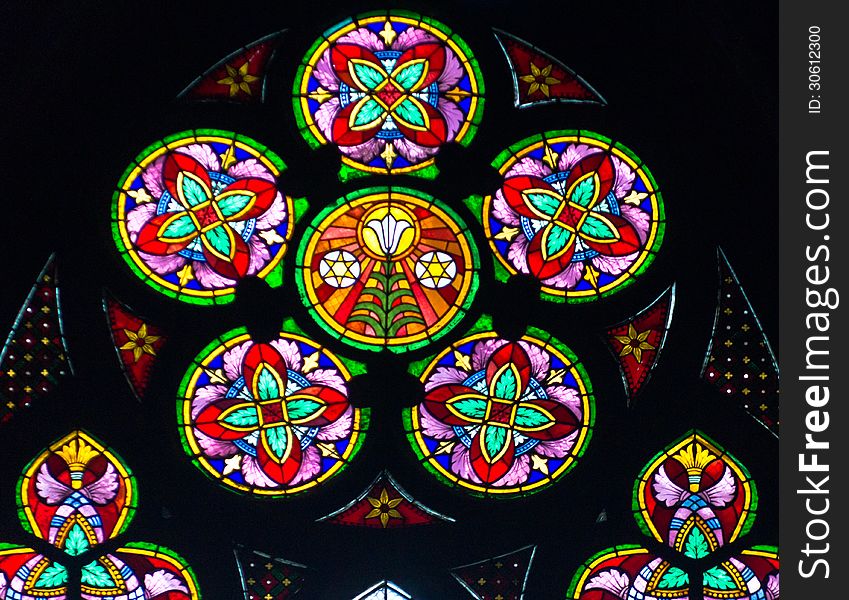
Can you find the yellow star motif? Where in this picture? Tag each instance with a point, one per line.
(140, 342)
(539, 79)
(216, 376)
(634, 343)
(507, 234)
(320, 95)
(238, 79)
(436, 270)
(271, 237)
(591, 276)
(550, 157)
(384, 508)
(462, 360)
(342, 269)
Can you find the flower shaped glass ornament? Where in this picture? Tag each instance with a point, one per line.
(387, 268)
(388, 89)
(501, 418)
(695, 499)
(199, 211)
(575, 211)
(78, 495)
(271, 419)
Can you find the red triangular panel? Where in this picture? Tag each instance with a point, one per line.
(384, 505)
(264, 577)
(637, 342)
(539, 78)
(35, 356)
(239, 77)
(137, 342)
(739, 360)
(498, 578)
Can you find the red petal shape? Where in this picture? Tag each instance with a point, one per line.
(435, 403)
(207, 421)
(284, 472)
(341, 54)
(435, 136)
(491, 472)
(345, 136)
(149, 241)
(263, 354)
(564, 424)
(176, 162)
(336, 402)
(513, 188)
(599, 163)
(434, 54)
(510, 353)
(628, 243)
(264, 194)
(543, 269)
(236, 266)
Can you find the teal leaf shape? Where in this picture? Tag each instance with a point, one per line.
(301, 408)
(494, 440)
(368, 76)
(97, 576)
(674, 578)
(234, 203)
(193, 192)
(546, 203)
(696, 546)
(718, 578)
(219, 239)
(408, 76)
(598, 229)
(53, 576)
(529, 416)
(409, 112)
(505, 385)
(244, 417)
(277, 440)
(267, 385)
(180, 227)
(368, 112)
(76, 543)
(583, 192)
(471, 408)
(556, 239)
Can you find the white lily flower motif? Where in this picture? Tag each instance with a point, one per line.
(389, 232)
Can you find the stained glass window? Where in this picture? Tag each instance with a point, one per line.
(388, 90)
(502, 418)
(695, 498)
(200, 210)
(576, 211)
(238, 77)
(636, 342)
(539, 78)
(269, 418)
(79, 496)
(739, 360)
(387, 268)
(34, 358)
(385, 504)
(290, 355)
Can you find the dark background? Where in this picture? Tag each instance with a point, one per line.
(691, 89)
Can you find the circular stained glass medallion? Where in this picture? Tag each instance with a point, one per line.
(502, 418)
(200, 210)
(388, 90)
(269, 419)
(579, 213)
(387, 268)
